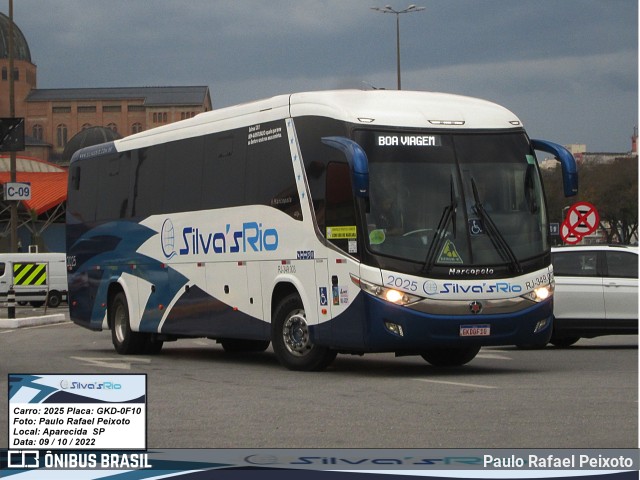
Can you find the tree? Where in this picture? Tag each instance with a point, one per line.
(611, 187)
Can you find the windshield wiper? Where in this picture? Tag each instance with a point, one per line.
(448, 215)
(498, 241)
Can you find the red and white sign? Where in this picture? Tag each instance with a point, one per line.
(582, 220)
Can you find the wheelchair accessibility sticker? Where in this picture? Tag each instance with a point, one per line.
(475, 227)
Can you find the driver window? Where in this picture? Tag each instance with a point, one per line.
(340, 215)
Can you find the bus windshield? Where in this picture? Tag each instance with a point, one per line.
(467, 200)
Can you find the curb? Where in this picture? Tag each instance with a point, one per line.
(32, 321)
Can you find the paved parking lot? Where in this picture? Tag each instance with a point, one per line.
(585, 396)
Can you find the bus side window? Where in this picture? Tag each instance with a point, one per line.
(223, 171)
(2, 268)
(148, 181)
(270, 177)
(84, 191)
(114, 186)
(183, 175)
(339, 208)
(75, 177)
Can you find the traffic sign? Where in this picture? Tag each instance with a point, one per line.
(582, 220)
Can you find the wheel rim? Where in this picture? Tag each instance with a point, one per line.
(120, 323)
(295, 334)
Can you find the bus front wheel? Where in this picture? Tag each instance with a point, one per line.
(125, 340)
(450, 356)
(291, 340)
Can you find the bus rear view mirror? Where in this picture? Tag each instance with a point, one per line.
(358, 163)
(567, 162)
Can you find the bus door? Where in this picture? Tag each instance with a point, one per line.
(340, 229)
(323, 293)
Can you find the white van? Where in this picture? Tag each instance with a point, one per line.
(35, 277)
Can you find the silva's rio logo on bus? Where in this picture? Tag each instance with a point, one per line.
(250, 237)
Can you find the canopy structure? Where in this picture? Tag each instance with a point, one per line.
(48, 182)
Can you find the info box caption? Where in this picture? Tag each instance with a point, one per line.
(105, 412)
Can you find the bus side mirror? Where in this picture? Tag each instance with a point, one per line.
(357, 160)
(567, 162)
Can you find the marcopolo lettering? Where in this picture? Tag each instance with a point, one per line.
(471, 271)
(252, 237)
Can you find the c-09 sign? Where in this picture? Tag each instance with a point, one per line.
(17, 191)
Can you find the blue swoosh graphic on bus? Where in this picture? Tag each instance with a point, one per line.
(118, 243)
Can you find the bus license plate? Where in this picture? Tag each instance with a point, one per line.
(475, 330)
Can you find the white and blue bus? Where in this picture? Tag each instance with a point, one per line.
(322, 223)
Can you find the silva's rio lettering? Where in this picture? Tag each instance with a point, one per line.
(252, 237)
(498, 287)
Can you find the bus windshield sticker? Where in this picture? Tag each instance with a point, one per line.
(531, 160)
(409, 140)
(475, 227)
(342, 232)
(377, 236)
(449, 254)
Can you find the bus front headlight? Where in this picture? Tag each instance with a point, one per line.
(540, 294)
(388, 294)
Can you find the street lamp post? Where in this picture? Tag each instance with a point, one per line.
(388, 9)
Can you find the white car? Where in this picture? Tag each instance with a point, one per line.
(596, 292)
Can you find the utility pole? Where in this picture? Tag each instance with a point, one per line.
(12, 154)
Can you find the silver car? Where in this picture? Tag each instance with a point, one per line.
(596, 292)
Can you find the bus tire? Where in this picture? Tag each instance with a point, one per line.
(54, 299)
(125, 341)
(291, 340)
(450, 356)
(236, 345)
(152, 346)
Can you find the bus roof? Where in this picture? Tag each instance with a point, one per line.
(372, 107)
(403, 109)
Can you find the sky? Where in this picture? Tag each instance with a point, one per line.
(567, 68)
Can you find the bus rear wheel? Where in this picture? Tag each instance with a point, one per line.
(291, 339)
(450, 356)
(125, 340)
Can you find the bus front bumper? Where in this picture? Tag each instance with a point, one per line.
(391, 328)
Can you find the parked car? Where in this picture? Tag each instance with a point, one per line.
(596, 292)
